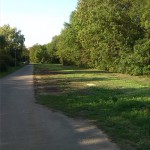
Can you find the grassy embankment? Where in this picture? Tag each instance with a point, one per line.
(10, 70)
(119, 104)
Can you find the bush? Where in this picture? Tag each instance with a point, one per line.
(6, 61)
(3, 66)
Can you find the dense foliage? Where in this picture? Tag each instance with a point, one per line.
(12, 49)
(44, 53)
(110, 35)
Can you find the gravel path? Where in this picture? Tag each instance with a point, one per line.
(25, 125)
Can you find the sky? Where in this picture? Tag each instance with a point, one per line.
(38, 20)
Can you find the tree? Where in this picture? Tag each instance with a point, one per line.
(11, 46)
(110, 35)
(38, 54)
(69, 48)
(109, 32)
(52, 48)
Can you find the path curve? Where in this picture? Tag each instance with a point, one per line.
(25, 125)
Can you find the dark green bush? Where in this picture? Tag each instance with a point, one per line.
(3, 66)
(6, 61)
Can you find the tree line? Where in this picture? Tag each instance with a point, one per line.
(12, 48)
(110, 35)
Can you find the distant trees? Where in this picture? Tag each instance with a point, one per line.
(12, 49)
(39, 54)
(52, 50)
(44, 53)
(108, 34)
(68, 49)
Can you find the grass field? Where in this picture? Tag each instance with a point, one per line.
(118, 104)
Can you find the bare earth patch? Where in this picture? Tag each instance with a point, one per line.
(47, 83)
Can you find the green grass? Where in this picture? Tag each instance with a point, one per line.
(10, 70)
(118, 104)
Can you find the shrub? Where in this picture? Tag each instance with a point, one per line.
(3, 66)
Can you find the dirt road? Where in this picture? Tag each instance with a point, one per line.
(25, 125)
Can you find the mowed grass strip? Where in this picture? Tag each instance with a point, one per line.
(119, 104)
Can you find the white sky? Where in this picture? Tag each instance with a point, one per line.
(38, 20)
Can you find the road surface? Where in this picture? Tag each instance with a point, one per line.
(25, 125)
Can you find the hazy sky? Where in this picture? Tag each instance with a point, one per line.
(39, 20)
